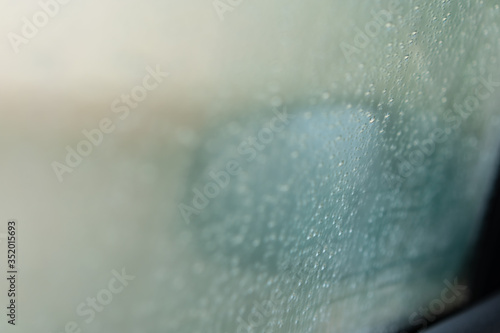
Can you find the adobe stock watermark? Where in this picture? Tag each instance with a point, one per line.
(372, 28)
(248, 149)
(94, 137)
(454, 118)
(103, 298)
(223, 6)
(259, 313)
(30, 28)
(447, 300)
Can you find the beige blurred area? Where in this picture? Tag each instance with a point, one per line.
(118, 207)
(114, 209)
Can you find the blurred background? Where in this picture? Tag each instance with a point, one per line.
(362, 209)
